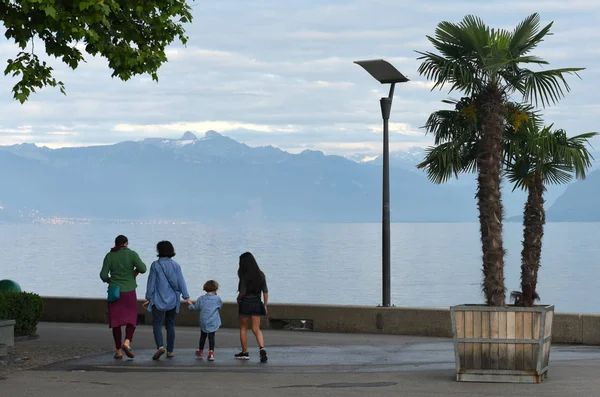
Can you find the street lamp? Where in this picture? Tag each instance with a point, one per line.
(385, 73)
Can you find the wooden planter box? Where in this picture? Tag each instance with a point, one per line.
(502, 344)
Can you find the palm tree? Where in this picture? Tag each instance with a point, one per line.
(531, 152)
(535, 158)
(458, 139)
(487, 65)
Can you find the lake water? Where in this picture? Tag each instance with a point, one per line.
(433, 265)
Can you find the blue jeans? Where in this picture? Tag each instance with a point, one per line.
(157, 321)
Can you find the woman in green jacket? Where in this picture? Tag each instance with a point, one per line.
(121, 267)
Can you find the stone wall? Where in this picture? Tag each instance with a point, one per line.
(568, 328)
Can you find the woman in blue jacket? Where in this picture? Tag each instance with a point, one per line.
(165, 287)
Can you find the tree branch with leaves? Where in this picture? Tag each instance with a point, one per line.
(132, 35)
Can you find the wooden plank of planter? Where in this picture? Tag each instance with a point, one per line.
(548, 328)
(537, 319)
(485, 347)
(546, 354)
(503, 348)
(510, 334)
(547, 333)
(494, 334)
(468, 334)
(477, 335)
(507, 341)
(519, 335)
(538, 349)
(460, 333)
(528, 357)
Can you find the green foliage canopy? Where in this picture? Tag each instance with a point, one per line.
(131, 34)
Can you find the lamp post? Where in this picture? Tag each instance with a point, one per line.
(385, 73)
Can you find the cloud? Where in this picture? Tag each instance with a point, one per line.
(387, 34)
(423, 85)
(369, 148)
(62, 133)
(510, 7)
(67, 144)
(282, 73)
(397, 128)
(22, 129)
(222, 126)
(329, 84)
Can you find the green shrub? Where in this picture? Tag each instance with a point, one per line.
(23, 307)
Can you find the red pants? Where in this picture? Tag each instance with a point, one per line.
(118, 336)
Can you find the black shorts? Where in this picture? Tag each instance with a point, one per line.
(251, 306)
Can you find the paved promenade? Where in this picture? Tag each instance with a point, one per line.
(300, 364)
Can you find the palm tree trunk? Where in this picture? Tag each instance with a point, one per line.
(489, 201)
(534, 218)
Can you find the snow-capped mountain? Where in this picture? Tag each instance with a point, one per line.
(215, 144)
(407, 160)
(212, 178)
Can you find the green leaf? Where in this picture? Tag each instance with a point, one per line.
(50, 12)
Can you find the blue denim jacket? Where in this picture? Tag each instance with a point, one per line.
(165, 285)
(208, 305)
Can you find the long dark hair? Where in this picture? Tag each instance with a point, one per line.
(249, 271)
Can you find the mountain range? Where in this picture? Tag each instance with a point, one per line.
(216, 178)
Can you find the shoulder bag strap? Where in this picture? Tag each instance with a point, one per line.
(165, 274)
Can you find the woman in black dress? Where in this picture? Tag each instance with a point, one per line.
(252, 283)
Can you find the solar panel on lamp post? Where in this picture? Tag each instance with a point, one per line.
(385, 73)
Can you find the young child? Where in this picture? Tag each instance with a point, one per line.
(210, 319)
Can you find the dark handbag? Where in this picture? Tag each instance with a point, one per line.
(263, 309)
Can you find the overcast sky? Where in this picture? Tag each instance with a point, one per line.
(281, 73)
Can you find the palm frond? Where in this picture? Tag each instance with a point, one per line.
(556, 174)
(577, 155)
(449, 125)
(519, 172)
(546, 154)
(460, 75)
(530, 59)
(475, 35)
(462, 48)
(546, 86)
(447, 159)
(452, 42)
(498, 61)
(527, 35)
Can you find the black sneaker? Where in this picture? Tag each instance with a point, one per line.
(242, 356)
(263, 356)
